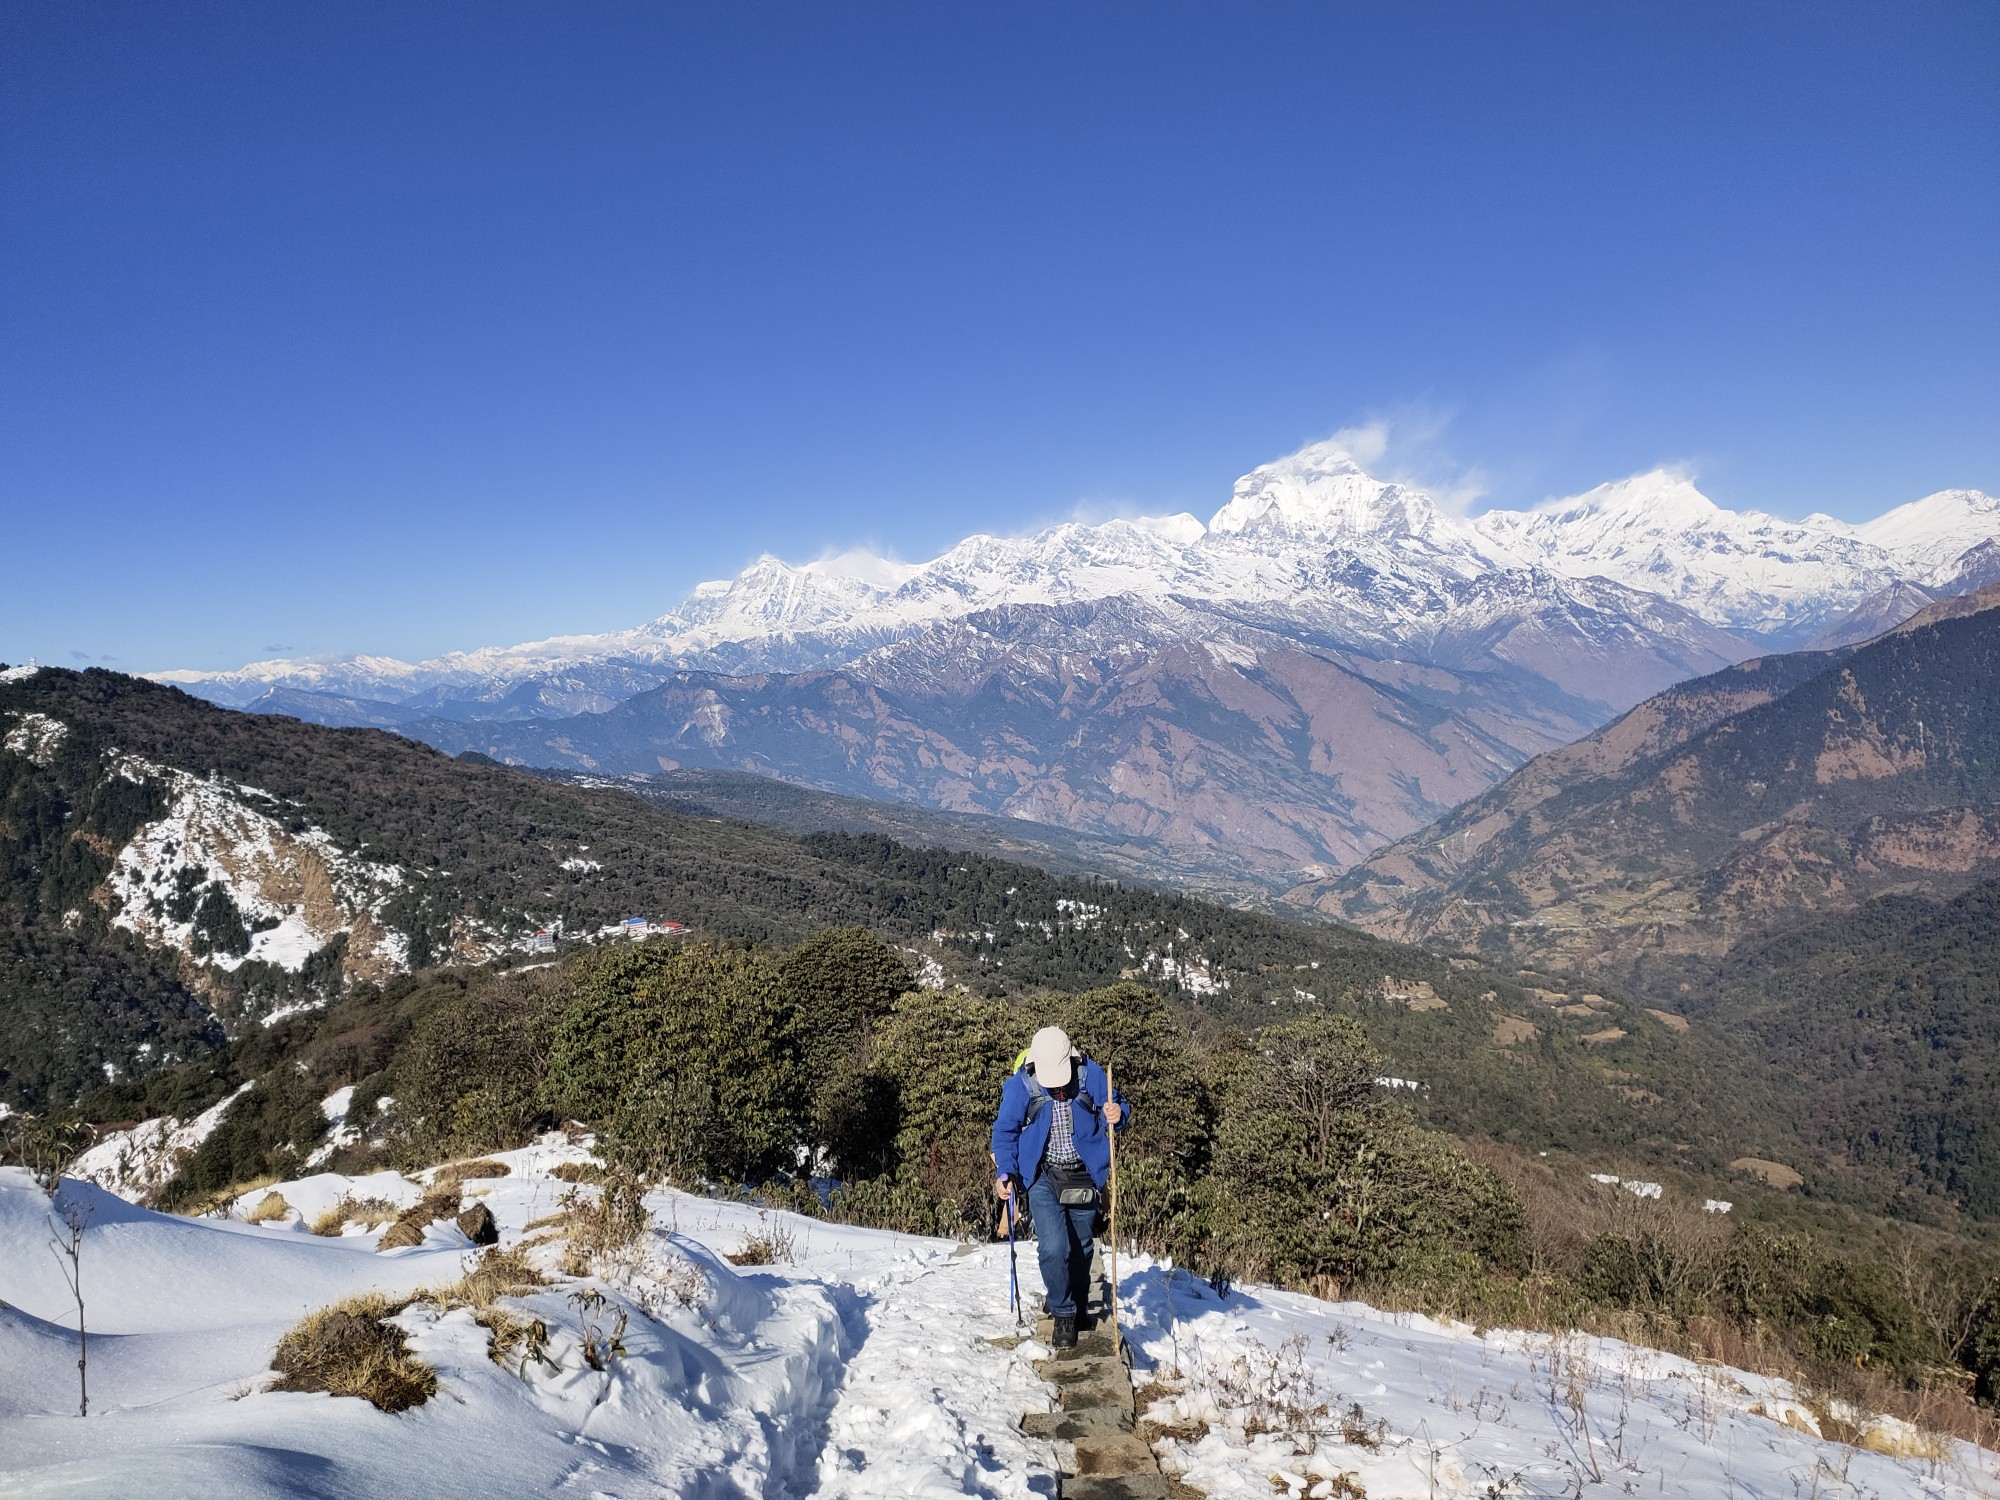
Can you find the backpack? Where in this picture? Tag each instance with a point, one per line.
(1038, 1097)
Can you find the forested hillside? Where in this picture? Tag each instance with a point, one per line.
(1881, 1032)
(751, 798)
(456, 861)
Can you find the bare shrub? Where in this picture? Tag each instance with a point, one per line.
(1278, 1393)
(603, 1226)
(1945, 1288)
(771, 1243)
(603, 1324)
(349, 1349)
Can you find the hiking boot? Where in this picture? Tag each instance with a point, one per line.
(1063, 1336)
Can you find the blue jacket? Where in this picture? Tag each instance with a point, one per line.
(1018, 1141)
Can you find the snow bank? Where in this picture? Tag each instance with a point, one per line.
(1414, 1408)
(859, 1365)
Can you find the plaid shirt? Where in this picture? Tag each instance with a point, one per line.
(1061, 1151)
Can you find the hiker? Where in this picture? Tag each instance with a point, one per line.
(1050, 1142)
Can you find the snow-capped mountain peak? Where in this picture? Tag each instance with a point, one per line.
(867, 567)
(1656, 531)
(1321, 492)
(1932, 533)
(1656, 500)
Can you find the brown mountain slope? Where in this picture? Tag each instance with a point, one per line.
(1784, 787)
(1228, 754)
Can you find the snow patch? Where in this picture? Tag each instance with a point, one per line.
(136, 1163)
(36, 736)
(1191, 973)
(297, 890)
(340, 1134)
(1288, 1393)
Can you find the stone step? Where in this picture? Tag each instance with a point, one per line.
(1068, 1426)
(1116, 1487)
(1110, 1392)
(1108, 1453)
(1102, 1457)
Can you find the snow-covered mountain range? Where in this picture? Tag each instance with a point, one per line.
(1327, 663)
(1311, 544)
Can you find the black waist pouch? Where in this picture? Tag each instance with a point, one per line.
(1073, 1186)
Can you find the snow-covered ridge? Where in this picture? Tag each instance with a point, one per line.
(1311, 542)
(297, 890)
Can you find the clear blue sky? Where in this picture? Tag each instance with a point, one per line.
(409, 326)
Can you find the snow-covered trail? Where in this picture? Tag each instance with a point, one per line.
(930, 1405)
(856, 1365)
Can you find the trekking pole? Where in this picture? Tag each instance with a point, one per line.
(1111, 1089)
(1013, 1271)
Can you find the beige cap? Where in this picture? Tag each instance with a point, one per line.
(1050, 1055)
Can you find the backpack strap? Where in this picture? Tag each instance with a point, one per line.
(1038, 1098)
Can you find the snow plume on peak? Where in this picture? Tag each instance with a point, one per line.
(1323, 492)
(1179, 528)
(863, 566)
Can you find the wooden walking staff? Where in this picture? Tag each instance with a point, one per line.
(1112, 1089)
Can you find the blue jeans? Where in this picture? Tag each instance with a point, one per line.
(1062, 1242)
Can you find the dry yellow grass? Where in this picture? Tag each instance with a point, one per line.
(270, 1206)
(349, 1350)
(1776, 1173)
(408, 1228)
(369, 1211)
(602, 1224)
(221, 1198)
(512, 1340)
(498, 1273)
(454, 1172)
